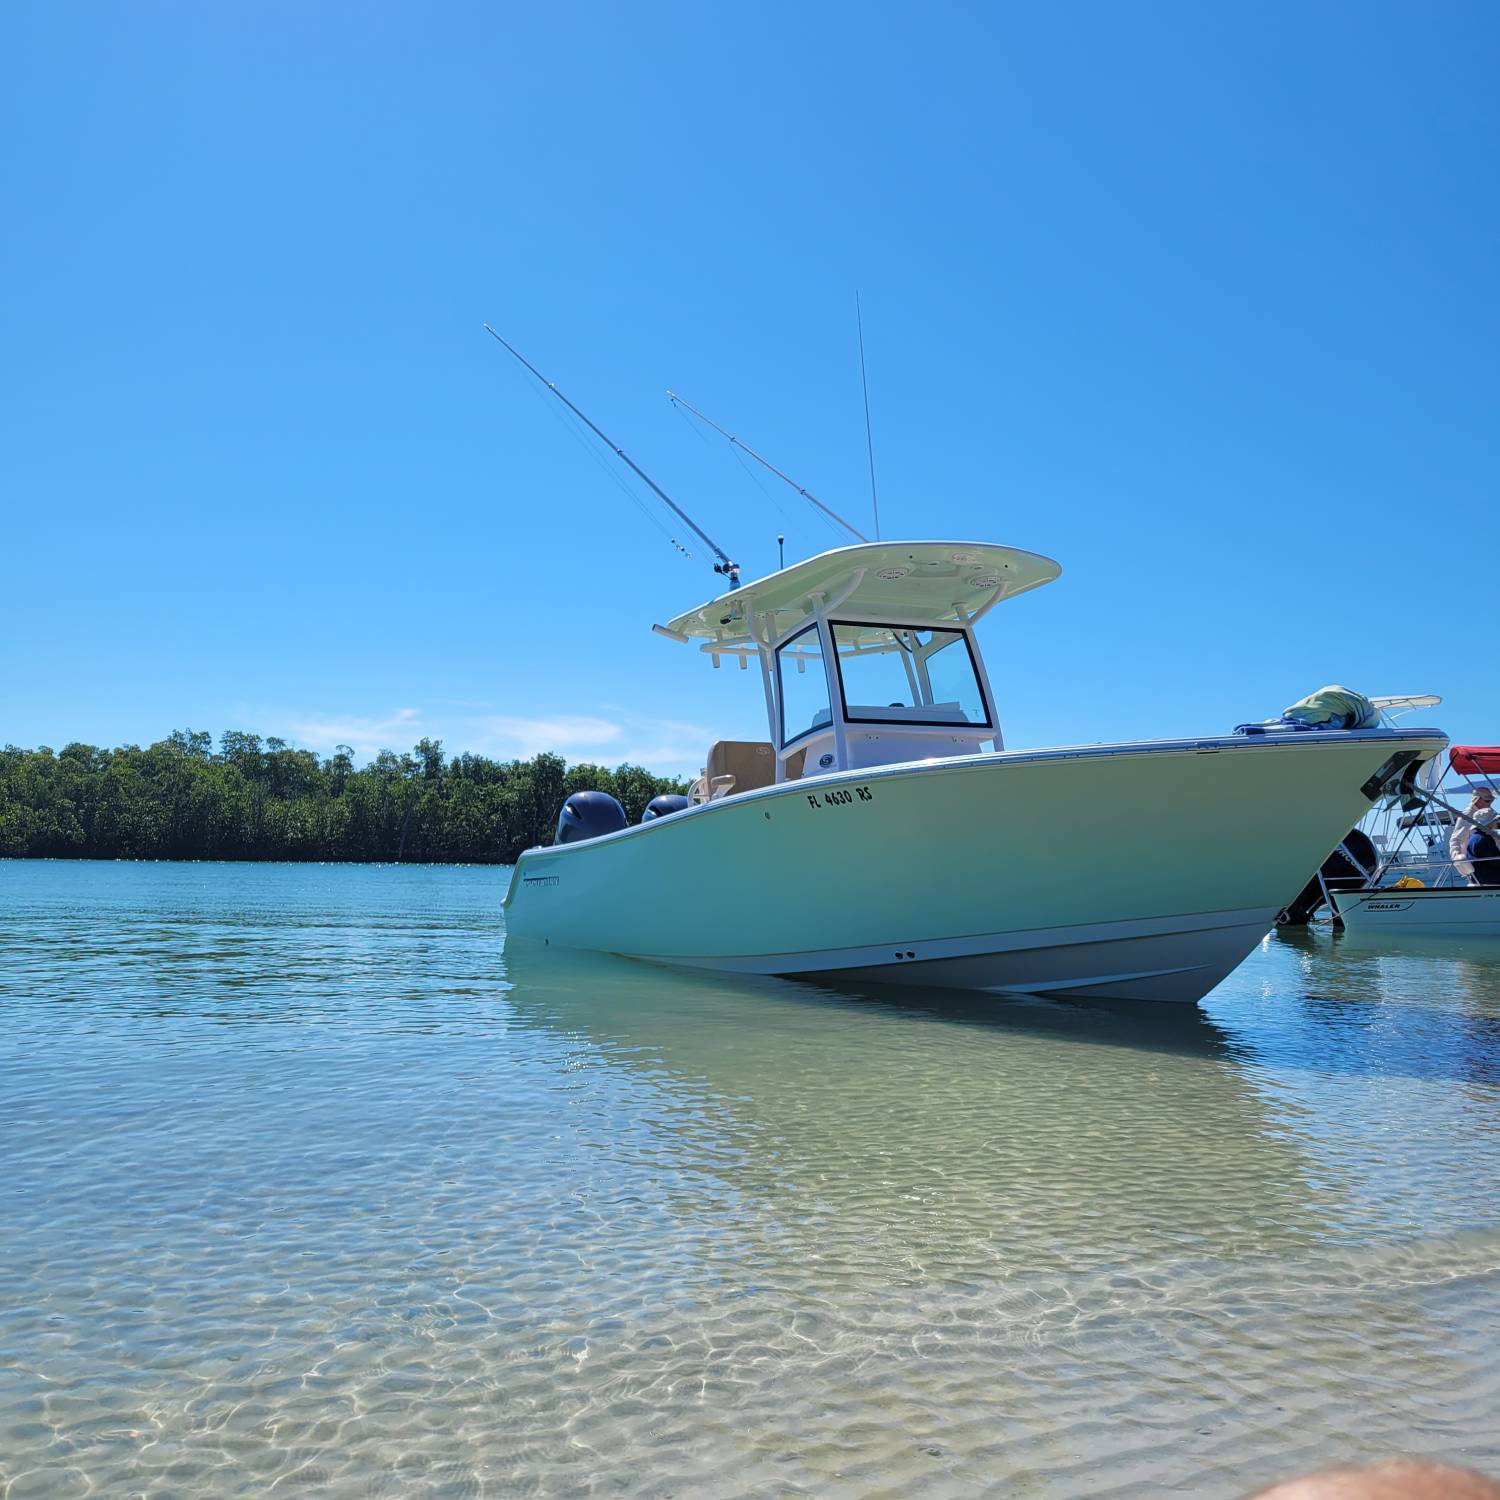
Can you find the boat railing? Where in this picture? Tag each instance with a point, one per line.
(1438, 871)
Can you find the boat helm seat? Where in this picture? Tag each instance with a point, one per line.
(739, 766)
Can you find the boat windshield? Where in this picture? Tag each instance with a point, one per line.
(903, 674)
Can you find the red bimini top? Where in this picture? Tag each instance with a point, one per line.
(1475, 760)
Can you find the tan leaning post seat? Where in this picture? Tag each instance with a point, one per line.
(739, 766)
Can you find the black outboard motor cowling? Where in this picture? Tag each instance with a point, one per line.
(588, 815)
(1339, 871)
(660, 807)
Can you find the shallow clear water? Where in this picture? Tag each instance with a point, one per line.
(304, 1186)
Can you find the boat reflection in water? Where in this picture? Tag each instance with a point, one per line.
(1411, 1006)
(1018, 1134)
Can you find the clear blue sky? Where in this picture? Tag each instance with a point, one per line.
(1201, 300)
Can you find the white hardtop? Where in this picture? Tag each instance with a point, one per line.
(867, 655)
(907, 581)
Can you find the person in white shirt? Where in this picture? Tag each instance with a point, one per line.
(1483, 800)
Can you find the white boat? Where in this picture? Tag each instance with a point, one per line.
(1431, 911)
(885, 833)
(1416, 890)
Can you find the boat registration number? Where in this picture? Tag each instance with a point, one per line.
(845, 796)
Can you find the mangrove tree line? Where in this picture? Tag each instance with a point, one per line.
(260, 799)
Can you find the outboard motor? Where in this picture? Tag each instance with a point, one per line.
(1339, 871)
(588, 815)
(660, 807)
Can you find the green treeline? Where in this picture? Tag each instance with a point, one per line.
(254, 799)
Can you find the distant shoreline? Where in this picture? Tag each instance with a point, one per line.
(254, 801)
(214, 859)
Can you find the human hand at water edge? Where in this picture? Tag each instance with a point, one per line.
(1392, 1479)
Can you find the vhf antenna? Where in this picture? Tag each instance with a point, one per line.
(730, 570)
(807, 495)
(869, 440)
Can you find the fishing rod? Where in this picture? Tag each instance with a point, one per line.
(677, 400)
(730, 569)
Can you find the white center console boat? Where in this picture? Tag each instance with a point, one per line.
(884, 832)
(1422, 884)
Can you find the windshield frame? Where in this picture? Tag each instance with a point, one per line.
(784, 658)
